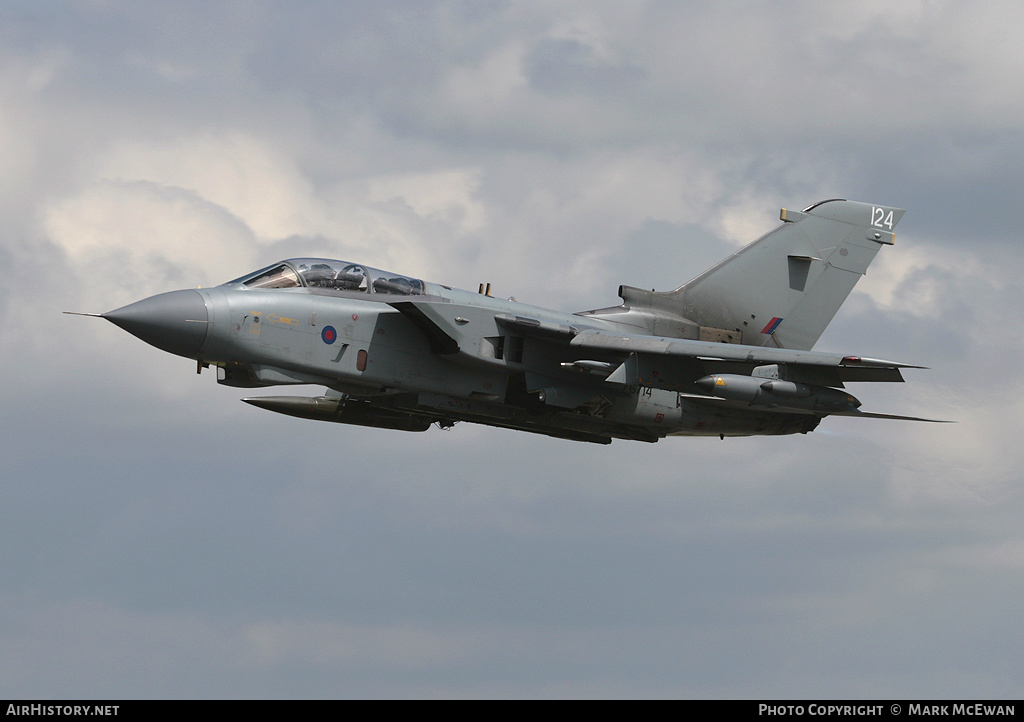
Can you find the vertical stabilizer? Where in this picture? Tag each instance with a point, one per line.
(785, 287)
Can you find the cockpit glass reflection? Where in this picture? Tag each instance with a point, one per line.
(326, 276)
(277, 277)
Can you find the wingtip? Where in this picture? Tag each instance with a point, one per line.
(864, 362)
(895, 417)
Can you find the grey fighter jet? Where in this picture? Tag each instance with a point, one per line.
(726, 354)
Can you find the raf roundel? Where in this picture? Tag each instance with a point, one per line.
(329, 335)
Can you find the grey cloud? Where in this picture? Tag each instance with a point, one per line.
(567, 66)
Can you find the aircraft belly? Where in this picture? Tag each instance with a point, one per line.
(414, 372)
(647, 407)
(700, 419)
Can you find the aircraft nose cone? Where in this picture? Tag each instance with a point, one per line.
(175, 322)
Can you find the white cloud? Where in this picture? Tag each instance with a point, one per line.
(202, 209)
(491, 84)
(250, 178)
(745, 217)
(918, 278)
(131, 239)
(448, 196)
(23, 81)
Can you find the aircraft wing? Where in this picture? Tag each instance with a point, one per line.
(662, 362)
(687, 365)
(673, 363)
(726, 375)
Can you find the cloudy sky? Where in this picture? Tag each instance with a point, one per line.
(161, 539)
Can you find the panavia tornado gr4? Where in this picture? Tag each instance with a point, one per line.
(726, 354)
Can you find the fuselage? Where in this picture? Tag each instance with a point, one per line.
(386, 343)
(727, 353)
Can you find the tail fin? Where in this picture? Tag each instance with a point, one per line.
(785, 287)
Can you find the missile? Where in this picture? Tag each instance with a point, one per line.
(772, 392)
(604, 368)
(341, 411)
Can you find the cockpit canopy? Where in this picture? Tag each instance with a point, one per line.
(324, 274)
